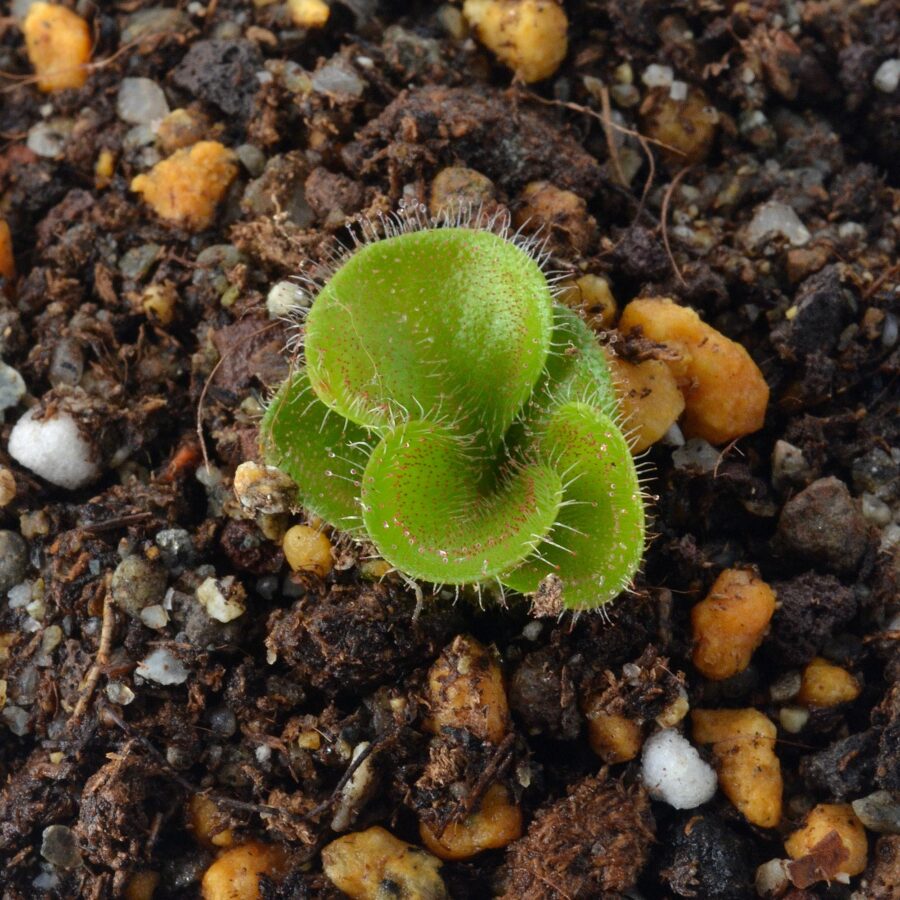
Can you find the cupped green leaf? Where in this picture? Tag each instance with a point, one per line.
(324, 453)
(432, 512)
(450, 325)
(576, 370)
(597, 540)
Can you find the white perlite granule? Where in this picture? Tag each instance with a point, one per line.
(674, 772)
(162, 667)
(54, 449)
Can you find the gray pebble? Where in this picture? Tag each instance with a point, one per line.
(141, 101)
(13, 560)
(59, 847)
(823, 525)
(879, 812)
(137, 583)
(12, 386)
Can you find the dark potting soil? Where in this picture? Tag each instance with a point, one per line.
(351, 120)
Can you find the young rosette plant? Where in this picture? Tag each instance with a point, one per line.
(451, 413)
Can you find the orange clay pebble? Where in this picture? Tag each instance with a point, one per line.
(235, 874)
(186, 187)
(725, 394)
(373, 865)
(558, 214)
(104, 168)
(307, 549)
(181, 128)
(457, 189)
(495, 824)
(142, 886)
(820, 821)
(822, 684)
(730, 623)
(207, 823)
(309, 13)
(687, 127)
(7, 261)
(743, 744)
(465, 687)
(528, 36)
(158, 302)
(58, 43)
(592, 297)
(613, 737)
(648, 398)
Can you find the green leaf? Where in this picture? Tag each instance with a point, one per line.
(450, 325)
(433, 511)
(597, 541)
(324, 453)
(576, 370)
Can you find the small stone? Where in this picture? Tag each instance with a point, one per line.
(59, 847)
(51, 638)
(285, 298)
(774, 219)
(136, 263)
(19, 595)
(67, 364)
(53, 448)
(786, 687)
(337, 77)
(891, 331)
(887, 76)
(772, 878)
(656, 76)
(823, 525)
(156, 20)
(137, 138)
(162, 667)
(155, 616)
(181, 128)
(223, 722)
(119, 693)
(793, 719)
(625, 95)
(13, 561)
(252, 159)
(789, 466)
(264, 489)
(137, 583)
(223, 600)
(48, 139)
(16, 720)
(141, 101)
(176, 547)
(7, 487)
(696, 454)
(875, 510)
(879, 812)
(876, 473)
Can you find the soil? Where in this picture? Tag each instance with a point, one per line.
(90, 744)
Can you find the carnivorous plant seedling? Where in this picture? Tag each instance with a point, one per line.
(448, 411)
